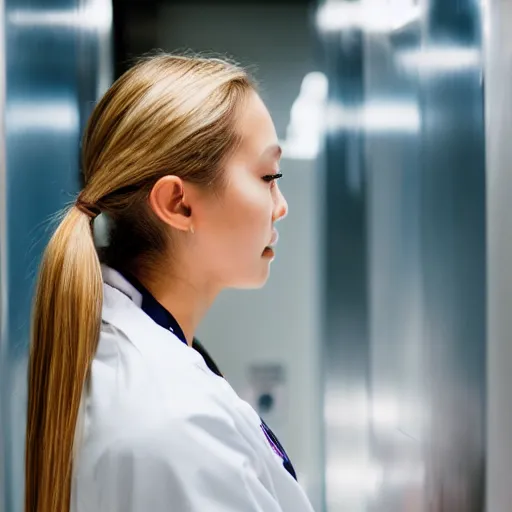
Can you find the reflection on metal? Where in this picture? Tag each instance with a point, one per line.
(440, 59)
(91, 16)
(498, 77)
(372, 15)
(57, 60)
(3, 264)
(58, 116)
(405, 263)
(305, 130)
(377, 116)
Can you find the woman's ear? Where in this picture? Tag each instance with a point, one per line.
(168, 201)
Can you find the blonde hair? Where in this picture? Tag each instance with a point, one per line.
(166, 115)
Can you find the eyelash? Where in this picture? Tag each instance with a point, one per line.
(272, 177)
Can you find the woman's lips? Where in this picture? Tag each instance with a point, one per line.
(268, 252)
(274, 239)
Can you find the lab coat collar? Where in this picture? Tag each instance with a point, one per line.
(116, 280)
(156, 311)
(122, 309)
(143, 298)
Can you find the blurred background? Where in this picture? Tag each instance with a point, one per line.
(380, 350)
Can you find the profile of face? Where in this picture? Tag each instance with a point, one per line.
(229, 236)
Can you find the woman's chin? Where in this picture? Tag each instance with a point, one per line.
(255, 281)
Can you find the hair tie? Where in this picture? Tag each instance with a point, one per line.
(89, 209)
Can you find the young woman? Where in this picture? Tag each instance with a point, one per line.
(126, 413)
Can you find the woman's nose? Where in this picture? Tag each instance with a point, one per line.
(281, 206)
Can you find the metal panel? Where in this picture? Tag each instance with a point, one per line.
(498, 75)
(3, 252)
(346, 310)
(405, 283)
(54, 51)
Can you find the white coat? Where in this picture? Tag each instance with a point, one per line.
(159, 432)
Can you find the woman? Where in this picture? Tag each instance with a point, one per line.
(124, 414)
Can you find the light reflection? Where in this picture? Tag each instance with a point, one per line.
(379, 16)
(93, 15)
(358, 479)
(378, 116)
(439, 58)
(306, 127)
(357, 410)
(354, 477)
(60, 116)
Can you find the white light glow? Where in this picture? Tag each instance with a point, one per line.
(356, 411)
(60, 116)
(386, 413)
(344, 409)
(306, 127)
(94, 15)
(486, 20)
(367, 14)
(375, 117)
(352, 480)
(354, 477)
(404, 474)
(439, 59)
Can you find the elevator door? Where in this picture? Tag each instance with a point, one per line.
(405, 316)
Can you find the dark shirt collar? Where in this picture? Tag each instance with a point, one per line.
(155, 310)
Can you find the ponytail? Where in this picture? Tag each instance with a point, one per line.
(65, 332)
(168, 115)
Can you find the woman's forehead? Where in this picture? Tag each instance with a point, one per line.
(257, 130)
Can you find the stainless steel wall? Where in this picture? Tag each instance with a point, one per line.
(498, 79)
(56, 61)
(405, 279)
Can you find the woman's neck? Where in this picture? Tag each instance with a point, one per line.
(186, 301)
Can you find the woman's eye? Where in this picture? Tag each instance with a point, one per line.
(272, 177)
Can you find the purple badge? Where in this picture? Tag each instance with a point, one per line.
(272, 443)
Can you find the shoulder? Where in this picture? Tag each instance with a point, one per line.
(173, 425)
(144, 379)
(151, 393)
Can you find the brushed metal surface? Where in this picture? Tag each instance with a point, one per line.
(56, 61)
(498, 74)
(405, 311)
